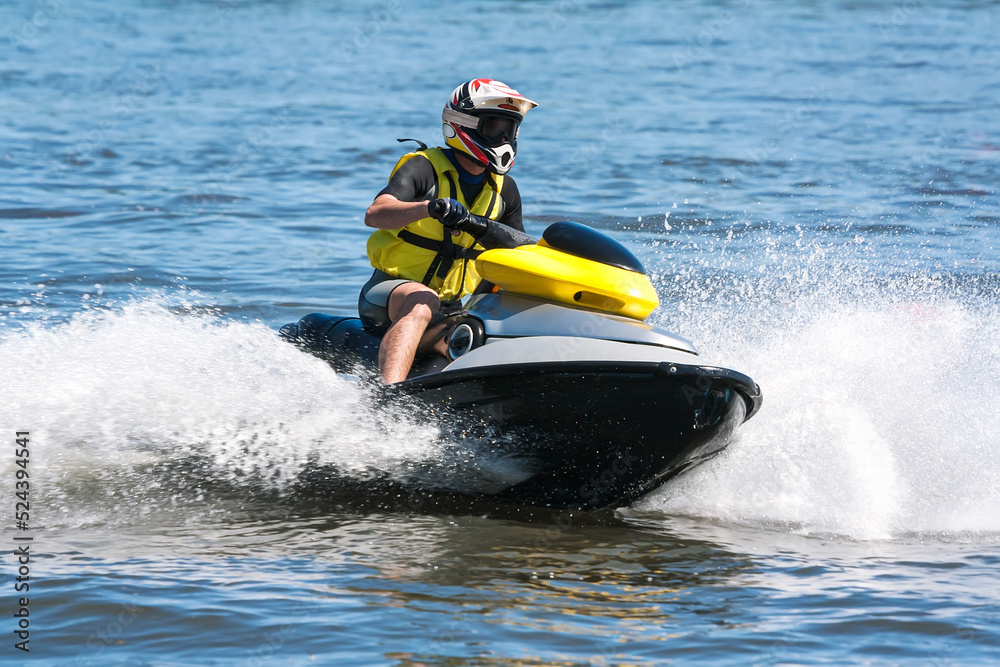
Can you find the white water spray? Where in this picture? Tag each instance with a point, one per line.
(111, 394)
(880, 404)
(879, 413)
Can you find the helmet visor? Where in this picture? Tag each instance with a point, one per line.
(498, 129)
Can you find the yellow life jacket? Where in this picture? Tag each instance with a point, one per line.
(422, 250)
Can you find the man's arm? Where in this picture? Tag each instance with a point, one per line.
(387, 212)
(489, 233)
(512, 205)
(404, 199)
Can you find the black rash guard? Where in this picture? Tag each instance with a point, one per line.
(416, 181)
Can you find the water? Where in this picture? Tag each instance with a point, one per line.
(811, 185)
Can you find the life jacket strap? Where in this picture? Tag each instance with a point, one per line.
(447, 253)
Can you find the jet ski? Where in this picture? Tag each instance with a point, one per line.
(552, 364)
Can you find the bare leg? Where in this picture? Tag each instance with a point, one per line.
(434, 339)
(411, 306)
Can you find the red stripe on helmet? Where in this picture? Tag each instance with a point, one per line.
(468, 143)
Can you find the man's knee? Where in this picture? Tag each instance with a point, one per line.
(418, 301)
(422, 308)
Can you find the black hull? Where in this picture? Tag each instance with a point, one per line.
(597, 434)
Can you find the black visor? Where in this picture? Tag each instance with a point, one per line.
(498, 129)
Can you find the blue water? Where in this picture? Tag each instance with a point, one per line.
(813, 187)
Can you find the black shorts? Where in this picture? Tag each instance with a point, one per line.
(373, 303)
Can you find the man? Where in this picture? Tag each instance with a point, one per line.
(442, 206)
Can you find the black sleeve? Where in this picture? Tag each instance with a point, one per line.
(414, 181)
(511, 205)
(501, 236)
(508, 230)
(417, 181)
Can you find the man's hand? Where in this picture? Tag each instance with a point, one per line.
(449, 212)
(453, 215)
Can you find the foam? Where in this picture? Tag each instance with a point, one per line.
(880, 395)
(879, 415)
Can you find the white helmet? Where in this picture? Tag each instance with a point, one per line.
(482, 119)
